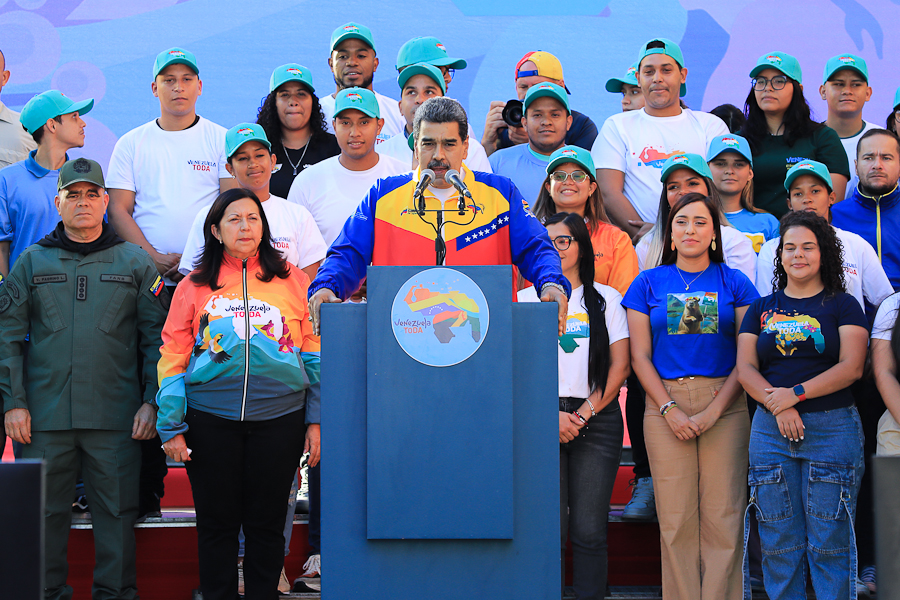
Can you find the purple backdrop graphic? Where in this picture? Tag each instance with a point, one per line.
(105, 48)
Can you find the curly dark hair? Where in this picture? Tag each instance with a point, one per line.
(831, 251)
(669, 256)
(271, 262)
(798, 122)
(267, 117)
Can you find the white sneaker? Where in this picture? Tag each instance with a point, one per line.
(313, 566)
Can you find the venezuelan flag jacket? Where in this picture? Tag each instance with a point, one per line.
(244, 352)
(386, 230)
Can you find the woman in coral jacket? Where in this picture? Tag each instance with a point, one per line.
(239, 393)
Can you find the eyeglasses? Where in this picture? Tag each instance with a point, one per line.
(778, 82)
(448, 72)
(560, 176)
(562, 242)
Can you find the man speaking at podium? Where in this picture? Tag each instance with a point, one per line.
(457, 218)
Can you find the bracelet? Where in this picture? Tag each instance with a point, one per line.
(591, 404)
(553, 285)
(667, 407)
(580, 418)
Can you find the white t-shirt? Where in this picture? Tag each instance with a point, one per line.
(850, 144)
(863, 273)
(884, 319)
(173, 175)
(637, 144)
(389, 108)
(331, 192)
(398, 148)
(736, 247)
(292, 228)
(572, 348)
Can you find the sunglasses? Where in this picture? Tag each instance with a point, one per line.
(560, 176)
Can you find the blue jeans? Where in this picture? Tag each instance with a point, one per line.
(805, 497)
(587, 471)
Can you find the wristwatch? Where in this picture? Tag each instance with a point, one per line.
(800, 392)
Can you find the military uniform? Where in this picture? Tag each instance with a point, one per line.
(89, 316)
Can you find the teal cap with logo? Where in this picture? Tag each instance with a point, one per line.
(240, 134)
(427, 50)
(694, 162)
(897, 99)
(359, 99)
(667, 47)
(175, 56)
(422, 69)
(572, 154)
(545, 89)
(49, 105)
(291, 72)
(352, 31)
(729, 143)
(80, 169)
(614, 84)
(808, 167)
(845, 61)
(780, 61)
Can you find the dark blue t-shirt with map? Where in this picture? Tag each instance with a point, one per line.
(693, 330)
(799, 339)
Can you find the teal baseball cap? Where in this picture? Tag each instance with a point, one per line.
(845, 61)
(663, 46)
(549, 90)
(729, 143)
(359, 99)
(175, 56)
(781, 61)
(808, 167)
(897, 98)
(572, 154)
(242, 133)
(614, 84)
(291, 72)
(427, 50)
(422, 69)
(354, 31)
(694, 162)
(49, 105)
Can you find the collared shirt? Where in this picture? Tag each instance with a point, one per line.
(27, 208)
(15, 143)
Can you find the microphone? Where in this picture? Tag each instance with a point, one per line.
(427, 176)
(452, 176)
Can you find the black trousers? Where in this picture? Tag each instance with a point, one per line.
(241, 473)
(635, 404)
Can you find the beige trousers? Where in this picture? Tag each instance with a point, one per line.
(701, 494)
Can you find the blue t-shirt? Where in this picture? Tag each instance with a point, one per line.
(799, 339)
(27, 208)
(693, 331)
(758, 227)
(525, 169)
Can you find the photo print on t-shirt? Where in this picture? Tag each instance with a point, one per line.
(792, 328)
(692, 312)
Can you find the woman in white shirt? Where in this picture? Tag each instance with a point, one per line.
(593, 364)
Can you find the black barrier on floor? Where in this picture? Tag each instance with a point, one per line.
(887, 525)
(22, 530)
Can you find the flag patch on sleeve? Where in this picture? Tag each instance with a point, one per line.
(157, 286)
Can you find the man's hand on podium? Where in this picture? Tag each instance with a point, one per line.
(550, 294)
(315, 303)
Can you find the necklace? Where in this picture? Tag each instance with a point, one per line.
(687, 285)
(288, 155)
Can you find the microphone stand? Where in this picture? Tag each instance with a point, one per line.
(440, 246)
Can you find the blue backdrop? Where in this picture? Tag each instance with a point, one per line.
(105, 48)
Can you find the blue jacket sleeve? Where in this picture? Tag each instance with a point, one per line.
(531, 248)
(350, 254)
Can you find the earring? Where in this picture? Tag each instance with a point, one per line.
(713, 245)
(673, 244)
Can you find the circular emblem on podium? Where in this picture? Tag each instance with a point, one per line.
(440, 317)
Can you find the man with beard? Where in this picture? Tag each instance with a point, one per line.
(386, 229)
(546, 119)
(353, 63)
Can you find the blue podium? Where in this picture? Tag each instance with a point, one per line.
(440, 470)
